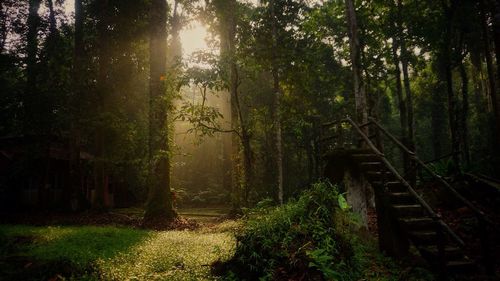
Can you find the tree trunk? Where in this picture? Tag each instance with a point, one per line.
(276, 106)
(31, 99)
(399, 89)
(447, 69)
(355, 52)
(77, 76)
(227, 15)
(99, 204)
(159, 207)
(438, 119)
(52, 18)
(495, 95)
(465, 114)
(175, 48)
(3, 25)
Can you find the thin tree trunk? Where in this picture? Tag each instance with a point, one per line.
(3, 26)
(99, 204)
(452, 103)
(31, 100)
(244, 135)
(399, 89)
(175, 48)
(77, 74)
(403, 117)
(355, 52)
(465, 114)
(52, 18)
(495, 95)
(160, 206)
(276, 107)
(437, 120)
(409, 140)
(409, 99)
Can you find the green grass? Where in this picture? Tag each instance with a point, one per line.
(111, 253)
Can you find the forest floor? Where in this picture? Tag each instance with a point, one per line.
(96, 252)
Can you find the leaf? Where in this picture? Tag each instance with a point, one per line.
(342, 202)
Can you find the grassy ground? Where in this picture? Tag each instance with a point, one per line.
(201, 215)
(112, 253)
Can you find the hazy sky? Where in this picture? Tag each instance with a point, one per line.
(192, 37)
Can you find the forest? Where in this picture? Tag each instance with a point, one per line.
(249, 139)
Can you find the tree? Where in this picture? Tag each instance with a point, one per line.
(159, 206)
(75, 107)
(100, 168)
(31, 97)
(355, 52)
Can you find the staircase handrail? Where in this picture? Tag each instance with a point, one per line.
(480, 214)
(393, 170)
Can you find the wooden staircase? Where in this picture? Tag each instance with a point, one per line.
(417, 224)
(436, 242)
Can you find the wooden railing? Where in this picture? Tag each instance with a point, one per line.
(485, 224)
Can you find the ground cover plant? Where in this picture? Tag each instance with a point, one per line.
(315, 237)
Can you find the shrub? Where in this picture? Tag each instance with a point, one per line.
(299, 240)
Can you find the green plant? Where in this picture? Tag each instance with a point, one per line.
(298, 238)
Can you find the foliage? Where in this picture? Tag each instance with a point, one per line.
(301, 237)
(313, 238)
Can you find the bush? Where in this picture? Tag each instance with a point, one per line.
(299, 240)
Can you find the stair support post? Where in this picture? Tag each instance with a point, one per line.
(488, 260)
(391, 238)
(441, 249)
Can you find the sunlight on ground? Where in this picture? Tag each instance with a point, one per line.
(116, 253)
(170, 255)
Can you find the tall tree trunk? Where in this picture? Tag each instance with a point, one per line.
(99, 204)
(244, 135)
(355, 52)
(175, 48)
(3, 25)
(31, 96)
(77, 76)
(492, 79)
(52, 18)
(399, 89)
(409, 98)
(495, 95)
(465, 114)
(276, 107)
(437, 120)
(159, 206)
(227, 15)
(447, 69)
(31, 99)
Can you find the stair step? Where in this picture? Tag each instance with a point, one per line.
(392, 186)
(423, 237)
(378, 176)
(401, 198)
(460, 266)
(368, 157)
(412, 210)
(396, 186)
(432, 252)
(371, 166)
(417, 223)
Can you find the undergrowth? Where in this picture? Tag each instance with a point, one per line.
(313, 238)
